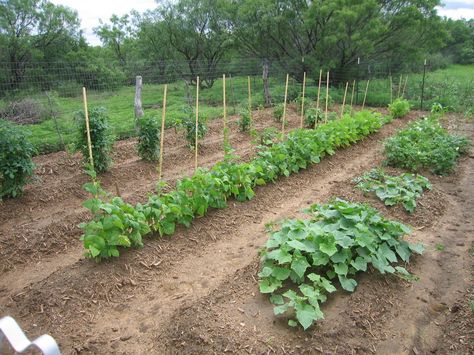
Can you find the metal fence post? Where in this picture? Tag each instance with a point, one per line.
(423, 86)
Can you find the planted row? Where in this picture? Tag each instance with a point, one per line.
(118, 224)
(306, 259)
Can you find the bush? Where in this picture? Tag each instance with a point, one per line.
(425, 144)
(399, 108)
(245, 120)
(189, 124)
(278, 112)
(312, 116)
(101, 138)
(16, 166)
(149, 138)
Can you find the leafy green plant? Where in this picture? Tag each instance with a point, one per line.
(245, 120)
(212, 188)
(425, 144)
(278, 112)
(312, 116)
(269, 136)
(305, 259)
(392, 190)
(189, 124)
(439, 247)
(149, 138)
(399, 108)
(101, 138)
(16, 165)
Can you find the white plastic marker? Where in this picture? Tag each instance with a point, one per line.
(10, 330)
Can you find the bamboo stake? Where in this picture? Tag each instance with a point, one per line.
(284, 106)
(225, 111)
(162, 133)
(365, 95)
(391, 90)
(302, 100)
(86, 113)
(250, 99)
(352, 96)
(399, 86)
(319, 91)
(327, 99)
(405, 86)
(196, 127)
(344, 100)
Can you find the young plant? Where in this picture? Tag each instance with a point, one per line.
(16, 165)
(245, 120)
(278, 112)
(312, 116)
(392, 190)
(101, 138)
(425, 144)
(149, 138)
(189, 124)
(399, 108)
(306, 259)
(269, 136)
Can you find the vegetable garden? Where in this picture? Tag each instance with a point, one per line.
(289, 229)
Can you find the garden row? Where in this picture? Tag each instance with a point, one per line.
(305, 259)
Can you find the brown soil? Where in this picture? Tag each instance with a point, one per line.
(197, 292)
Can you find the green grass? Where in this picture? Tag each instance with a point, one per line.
(453, 87)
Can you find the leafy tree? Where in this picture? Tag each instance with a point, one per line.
(460, 43)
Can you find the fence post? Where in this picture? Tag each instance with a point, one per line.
(423, 86)
(138, 97)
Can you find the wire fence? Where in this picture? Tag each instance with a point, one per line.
(47, 96)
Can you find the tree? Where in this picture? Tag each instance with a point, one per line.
(29, 28)
(116, 36)
(460, 43)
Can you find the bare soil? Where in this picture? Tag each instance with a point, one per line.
(197, 291)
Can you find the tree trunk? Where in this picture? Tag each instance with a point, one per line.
(266, 88)
(138, 98)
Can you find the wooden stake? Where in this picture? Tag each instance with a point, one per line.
(353, 91)
(284, 106)
(225, 111)
(365, 95)
(196, 127)
(391, 90)
(319, 92)
(327, 99)
(302, 100)
(250, 99)
(162, 133)
(399, 86)
(344, 100)
(405, 86)
(86, 114)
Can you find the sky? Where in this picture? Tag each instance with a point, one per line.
(90, 11)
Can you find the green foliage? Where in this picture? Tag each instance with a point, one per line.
(245, 120)
(212, 188)
(313, 115)
(269, 136)
(399, 108)
(149, 138)
(278, 112)
(189, 124)
(101, 138)
(425, 144)
(334, 244)
(16, 166)
(392, 190)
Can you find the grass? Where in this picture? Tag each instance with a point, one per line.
(452, 87)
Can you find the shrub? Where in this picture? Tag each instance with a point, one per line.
(245, 120)
(102, 140)
(278, 112)
(189, 124)
(16, 166)
(149, 138)
(399, 108)
(312, 116)
(425, 144)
